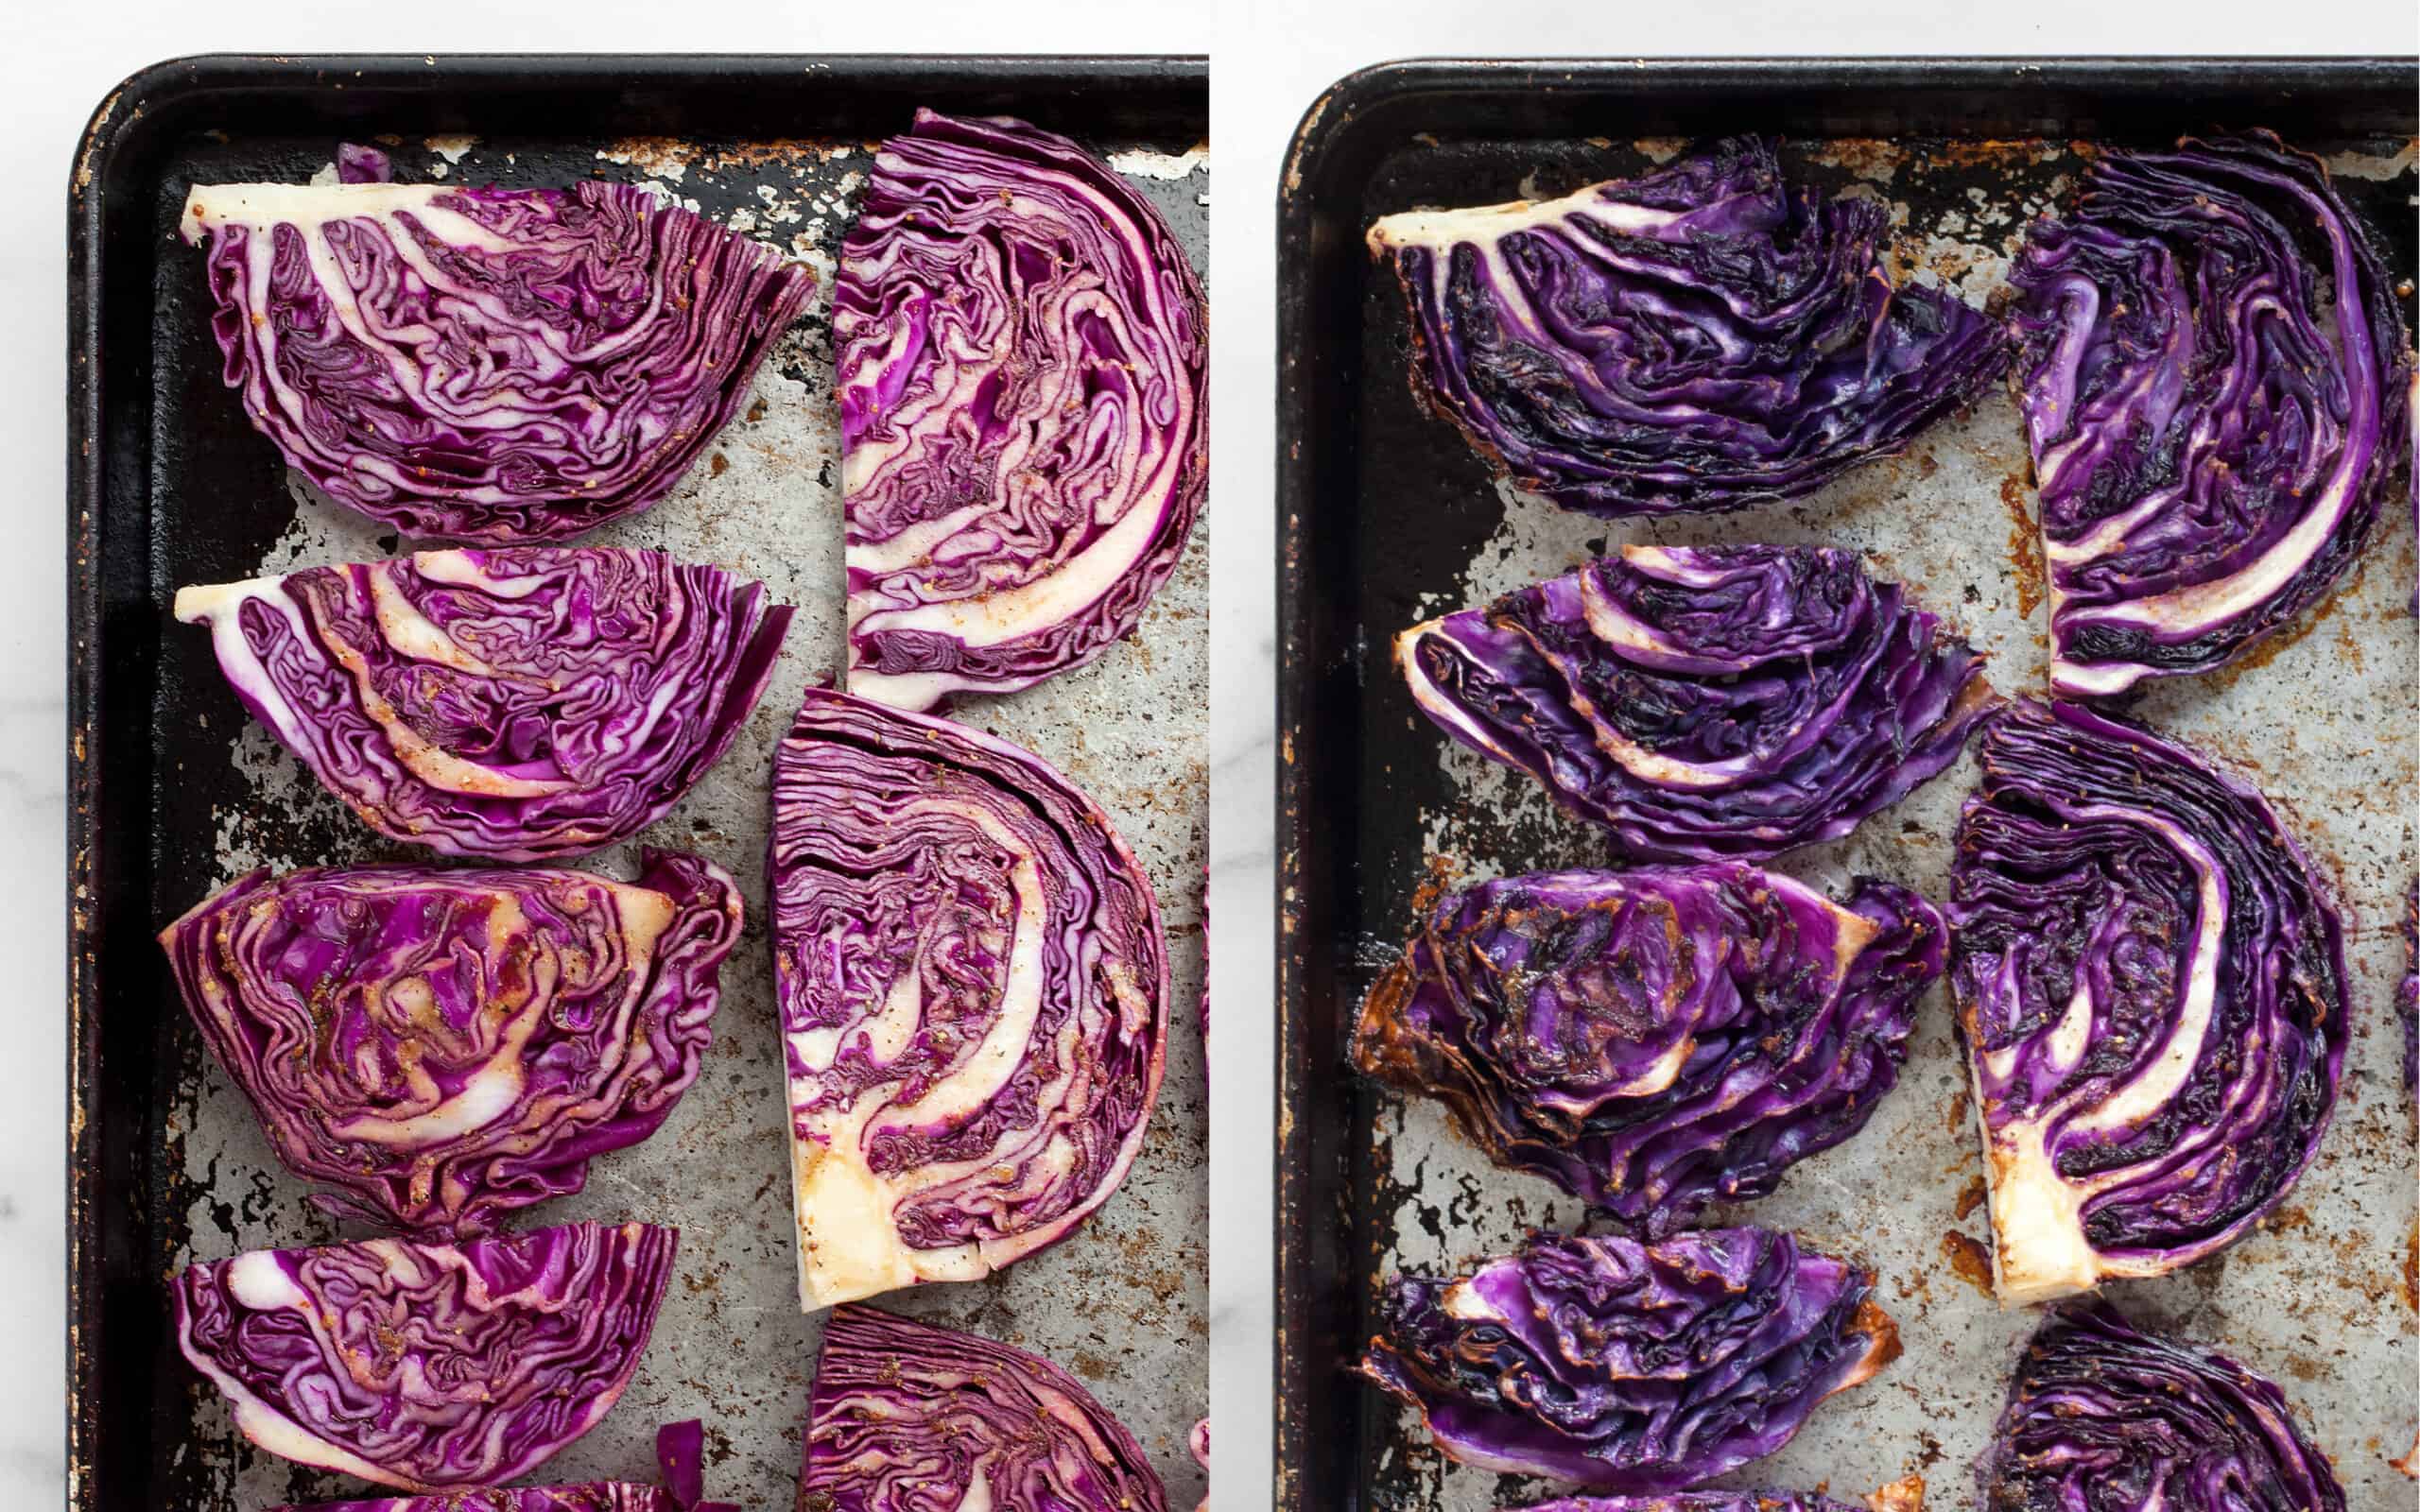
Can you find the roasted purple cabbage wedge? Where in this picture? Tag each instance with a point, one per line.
(679, 1450)
(486, 365)
(1657, 1040)
(972, 984)
(2216, 386)
(423, 1364)
(906, 1414)
(1023, 355)
(1900, 1495)
(434, 1048)
(1706, 702)
(1627, 1366)
(1701, 337)
(2103, 1418)
(521, 704)
(2150, 979)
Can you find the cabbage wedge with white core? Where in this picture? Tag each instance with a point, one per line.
(518, 704)
(1703, 336)
(1659, 1039)
(906, 1415)
(1706, 702)
(972, 984)
(422, 1365)
(1024, 410)
(436, 1048)
(487, 365)
(1627, 1367)
(2216, 386)
(2149, 980)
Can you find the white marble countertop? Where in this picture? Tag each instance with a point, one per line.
(1271, 58)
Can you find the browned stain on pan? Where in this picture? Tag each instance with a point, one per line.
(2026, 567)
(1968, 1260)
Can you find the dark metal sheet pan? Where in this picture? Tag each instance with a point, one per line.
(1386, 518)
(174, 792)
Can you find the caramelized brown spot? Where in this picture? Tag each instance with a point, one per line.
(2024, 549)
(1968, 1260)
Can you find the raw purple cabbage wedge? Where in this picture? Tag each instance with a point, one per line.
(2216, 387)
(1198, 1442)
(486, 365)
(1024, 410)
(2149, 980)
(1700, 338)
(906, 1414)
(435, 1048)
(423, 1364)
(1706, 702)
(1628, 1367)
(520, 704)
(679, 1452)
(972, 984)
(2103, 1418)
(1657, 1040)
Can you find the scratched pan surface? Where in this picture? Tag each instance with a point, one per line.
(1389, 520)
(179, 793)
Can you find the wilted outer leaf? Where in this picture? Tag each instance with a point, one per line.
(2213, 433)
(1700, 338)
(1023, 415)
(1655, 1040)
(2151, 983)
(908, 1414)
(1703, 702)
(487, 365)
(1628, 1367)
(512, 705)
(2103, 1418)
(440, 1047)
(973, 989)
(419, 1365)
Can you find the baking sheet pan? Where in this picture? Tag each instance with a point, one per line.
(175, 792)
(1386, 518)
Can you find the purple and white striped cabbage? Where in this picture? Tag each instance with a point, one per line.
(2149, 980)
(436, 1048)
(680, 1453)
(1627, 1366)
(909, 1414)
(486, 365)
(1706, 702)
(422, 1365)
(1703, 336)
(519, 704)
(1656, 1039)
(2217, 387)
(2104, 1417)
(1024, 410)
(972, 984)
